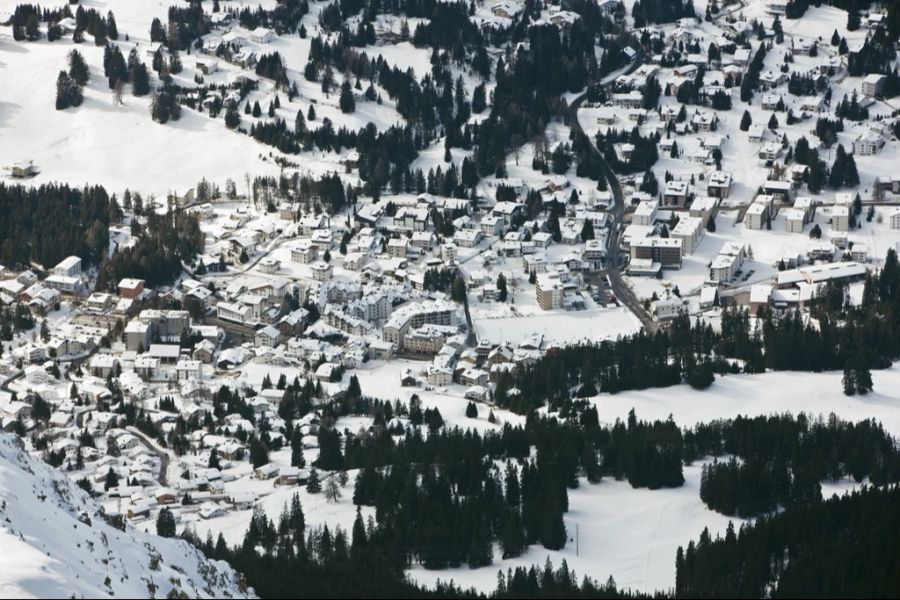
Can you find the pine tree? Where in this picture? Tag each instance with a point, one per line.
(78, 69)
(863, 377)
(471, 411)
(32, 28)
(259, 454)
(312, 485)
(68, 92)
(111, 480)
(501, 288)
(112, 30)
(773, 122)
(587, 230)
(849, 379)
(157, 33)
(358, 540)
(299, 124)
(140, 80)
(347, 102)
(165, 523)
(232, 118)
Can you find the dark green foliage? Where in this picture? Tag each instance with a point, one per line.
(783, 459)
(845, 546)
(68, 92)
(165, 523)
(161, 246)
(51, 222)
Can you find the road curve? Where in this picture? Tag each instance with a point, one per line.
(623, 292)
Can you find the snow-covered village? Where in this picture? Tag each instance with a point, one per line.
(489, 298)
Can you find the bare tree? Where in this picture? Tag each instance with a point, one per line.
(118, 91)
(332, 489)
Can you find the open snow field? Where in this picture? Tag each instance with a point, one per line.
(633, 534)
(98, 142)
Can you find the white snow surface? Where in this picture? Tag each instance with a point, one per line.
(49, 553)
(633, 534)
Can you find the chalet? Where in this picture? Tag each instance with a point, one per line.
(23, 170)
(268, 336)
(235, 39)
(772, 79)
(868, 143)
(262, 35)
(207, 66)
(771, 101)
(267, 471)
(770, 151)
(632, 99)
(803, 46)
(756, 133)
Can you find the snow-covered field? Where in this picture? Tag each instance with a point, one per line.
(633, 534)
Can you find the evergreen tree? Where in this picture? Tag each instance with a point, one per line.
(259, 454)
(111, 480)
(232, 118)
(78, 69)
(346, 101)
(471, 410)
(140, 80)
(312, 485)
(68, 92)
(165, 523)
(587, 230)
(112, 30)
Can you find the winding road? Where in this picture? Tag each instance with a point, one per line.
(623, 292)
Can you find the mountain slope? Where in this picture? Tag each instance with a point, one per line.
(55, 543)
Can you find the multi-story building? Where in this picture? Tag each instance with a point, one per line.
(719, 184)
(666, 251)
(690, 231)
(549, 291)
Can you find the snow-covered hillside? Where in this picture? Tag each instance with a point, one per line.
(56, 544)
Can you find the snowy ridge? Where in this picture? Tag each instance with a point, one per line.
(56, 543)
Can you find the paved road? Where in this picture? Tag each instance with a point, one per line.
(623, 292)
(5, 385)
(152, 446)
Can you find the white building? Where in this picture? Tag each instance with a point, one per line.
(68, 267)
(794, 220)
(690, 231)
(895, 218)
(261, 35)
(728, 262)
(840, 218)
(645, 213)
(868, 143)
(873, 85)
(549, 291)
